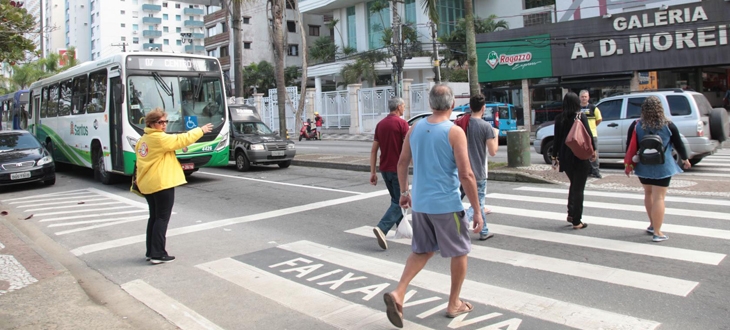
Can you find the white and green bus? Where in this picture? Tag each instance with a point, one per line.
(92, 115)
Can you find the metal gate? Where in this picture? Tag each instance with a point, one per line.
(373, 106)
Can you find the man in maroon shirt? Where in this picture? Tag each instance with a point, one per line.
(389, 135)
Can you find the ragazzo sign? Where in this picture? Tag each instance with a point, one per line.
(688, 35)
(518, 59)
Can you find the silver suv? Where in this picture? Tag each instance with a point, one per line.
(703, 128)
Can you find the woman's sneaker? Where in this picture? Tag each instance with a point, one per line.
(162, 259)
(659, 238)
(650, 230)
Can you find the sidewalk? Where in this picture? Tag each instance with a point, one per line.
(43, 286)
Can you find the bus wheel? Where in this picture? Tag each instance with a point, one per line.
(242, 163)
(100, 172)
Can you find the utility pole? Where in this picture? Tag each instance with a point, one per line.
(397, 50)
(123, 45)
(436, 63)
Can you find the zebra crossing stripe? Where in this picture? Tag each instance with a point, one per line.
(658, 283)
(46, 196)
(677, 199)
(320, 305)
(612, 206)
(648, 249)
(174, 311)
(543, 308)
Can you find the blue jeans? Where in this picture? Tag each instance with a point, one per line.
(482, 191)
(394, 214)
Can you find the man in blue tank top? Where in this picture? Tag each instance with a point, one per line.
(438, 149)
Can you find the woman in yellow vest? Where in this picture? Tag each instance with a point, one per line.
(158, 173)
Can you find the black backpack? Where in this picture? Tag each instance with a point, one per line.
(651, 149)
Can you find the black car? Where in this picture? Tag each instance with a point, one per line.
(23, 159)
(252, 142)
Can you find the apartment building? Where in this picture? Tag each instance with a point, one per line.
(257, 45)
(101, 28)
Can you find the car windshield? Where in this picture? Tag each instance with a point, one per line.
(17, 141)
(251, 128)
(189, 101)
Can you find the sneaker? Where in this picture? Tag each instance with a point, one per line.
(381, 238)
(650, 230)
(659, 238)
(484, 237)
(162, 259)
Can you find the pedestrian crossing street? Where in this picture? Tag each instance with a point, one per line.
(79, 211)
(341, 285)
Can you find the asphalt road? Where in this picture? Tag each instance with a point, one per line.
(293, 249)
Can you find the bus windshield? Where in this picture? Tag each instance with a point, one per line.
(189, 101)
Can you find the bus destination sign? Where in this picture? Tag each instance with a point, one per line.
(162, 63)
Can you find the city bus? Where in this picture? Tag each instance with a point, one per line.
(92, 115)
(14, 108)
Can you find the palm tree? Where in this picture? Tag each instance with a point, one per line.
(278, 37)
(429, 8)
(471, 49)
(456, 52)
(363, 68)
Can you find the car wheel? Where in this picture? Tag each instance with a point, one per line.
(50, 182)
(285, 164)
(242, 163)
(719, 124)
(547, 151)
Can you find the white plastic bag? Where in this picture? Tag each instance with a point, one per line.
(404, 229)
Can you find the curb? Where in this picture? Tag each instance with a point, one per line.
(494, 175)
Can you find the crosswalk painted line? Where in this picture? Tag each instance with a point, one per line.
(174, 311)
(96, 215)
(76, 206)
(652, 250)
(538, 307)
(322, 306)
(613, 206)
(624, 195)
(61, 201)
(113, 223)
(611, 275)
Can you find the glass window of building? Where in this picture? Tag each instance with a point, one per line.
(314, 30)
(164, 4)
(178, 29)
(135, 27)
(124, 38)
(224, 51)
(135, 14)
(410, 9)
(537, 19)
(178, 18)
(377, 22)
(247, 20)
(121, 12)
(165, 29)
(165, 41)
(246, 45)
(165, 17)
(135, 40)
(293, 50)
(178, 42)
(351, 28)
(177, 5)
(291, 26)
(450, 11)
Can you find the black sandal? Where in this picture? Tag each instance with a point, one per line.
(582, 225)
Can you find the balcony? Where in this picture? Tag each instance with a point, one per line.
(151, 20)
(217, 39)
(193, 11)
(193, 23)
(194, 49)
(147, 46)
(215, 17)
(150, 8)
(151, 34)
(325, 7)
(198, 35)
(225, 60)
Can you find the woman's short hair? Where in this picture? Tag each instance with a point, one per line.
(154, 116)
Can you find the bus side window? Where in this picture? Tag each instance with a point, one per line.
(52, 101)
(78, 98)
(44, 102)
(64, 104)
(97, 92)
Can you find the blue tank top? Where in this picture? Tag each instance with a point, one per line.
(660, 171)
(435, 177)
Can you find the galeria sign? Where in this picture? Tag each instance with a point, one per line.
(675, 37)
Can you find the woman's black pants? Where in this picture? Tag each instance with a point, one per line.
(160, 204)
(578, 175)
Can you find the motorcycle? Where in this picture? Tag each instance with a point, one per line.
(307, 132)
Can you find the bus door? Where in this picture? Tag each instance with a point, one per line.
(34, 113)
(115, 123)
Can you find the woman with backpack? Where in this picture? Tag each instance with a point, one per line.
(565, 160)
(654, 166)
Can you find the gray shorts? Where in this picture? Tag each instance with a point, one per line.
(448, 232)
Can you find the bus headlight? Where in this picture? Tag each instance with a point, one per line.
(45, 160)
(222, 144)
(132, 141)
(257, 147)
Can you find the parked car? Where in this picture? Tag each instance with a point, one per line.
(703, 128)
(454, 115)
(23, 159)
(253, 143)
(501, 116)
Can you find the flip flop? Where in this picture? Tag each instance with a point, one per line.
(394, 310)
(487, 211)
(465, 307)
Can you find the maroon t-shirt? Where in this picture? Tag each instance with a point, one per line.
(390, 133)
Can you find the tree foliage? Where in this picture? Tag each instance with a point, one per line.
(456, 51)
(24, 75)
(363, 68)
(14, 24)
(323, 50)
(261, 76)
